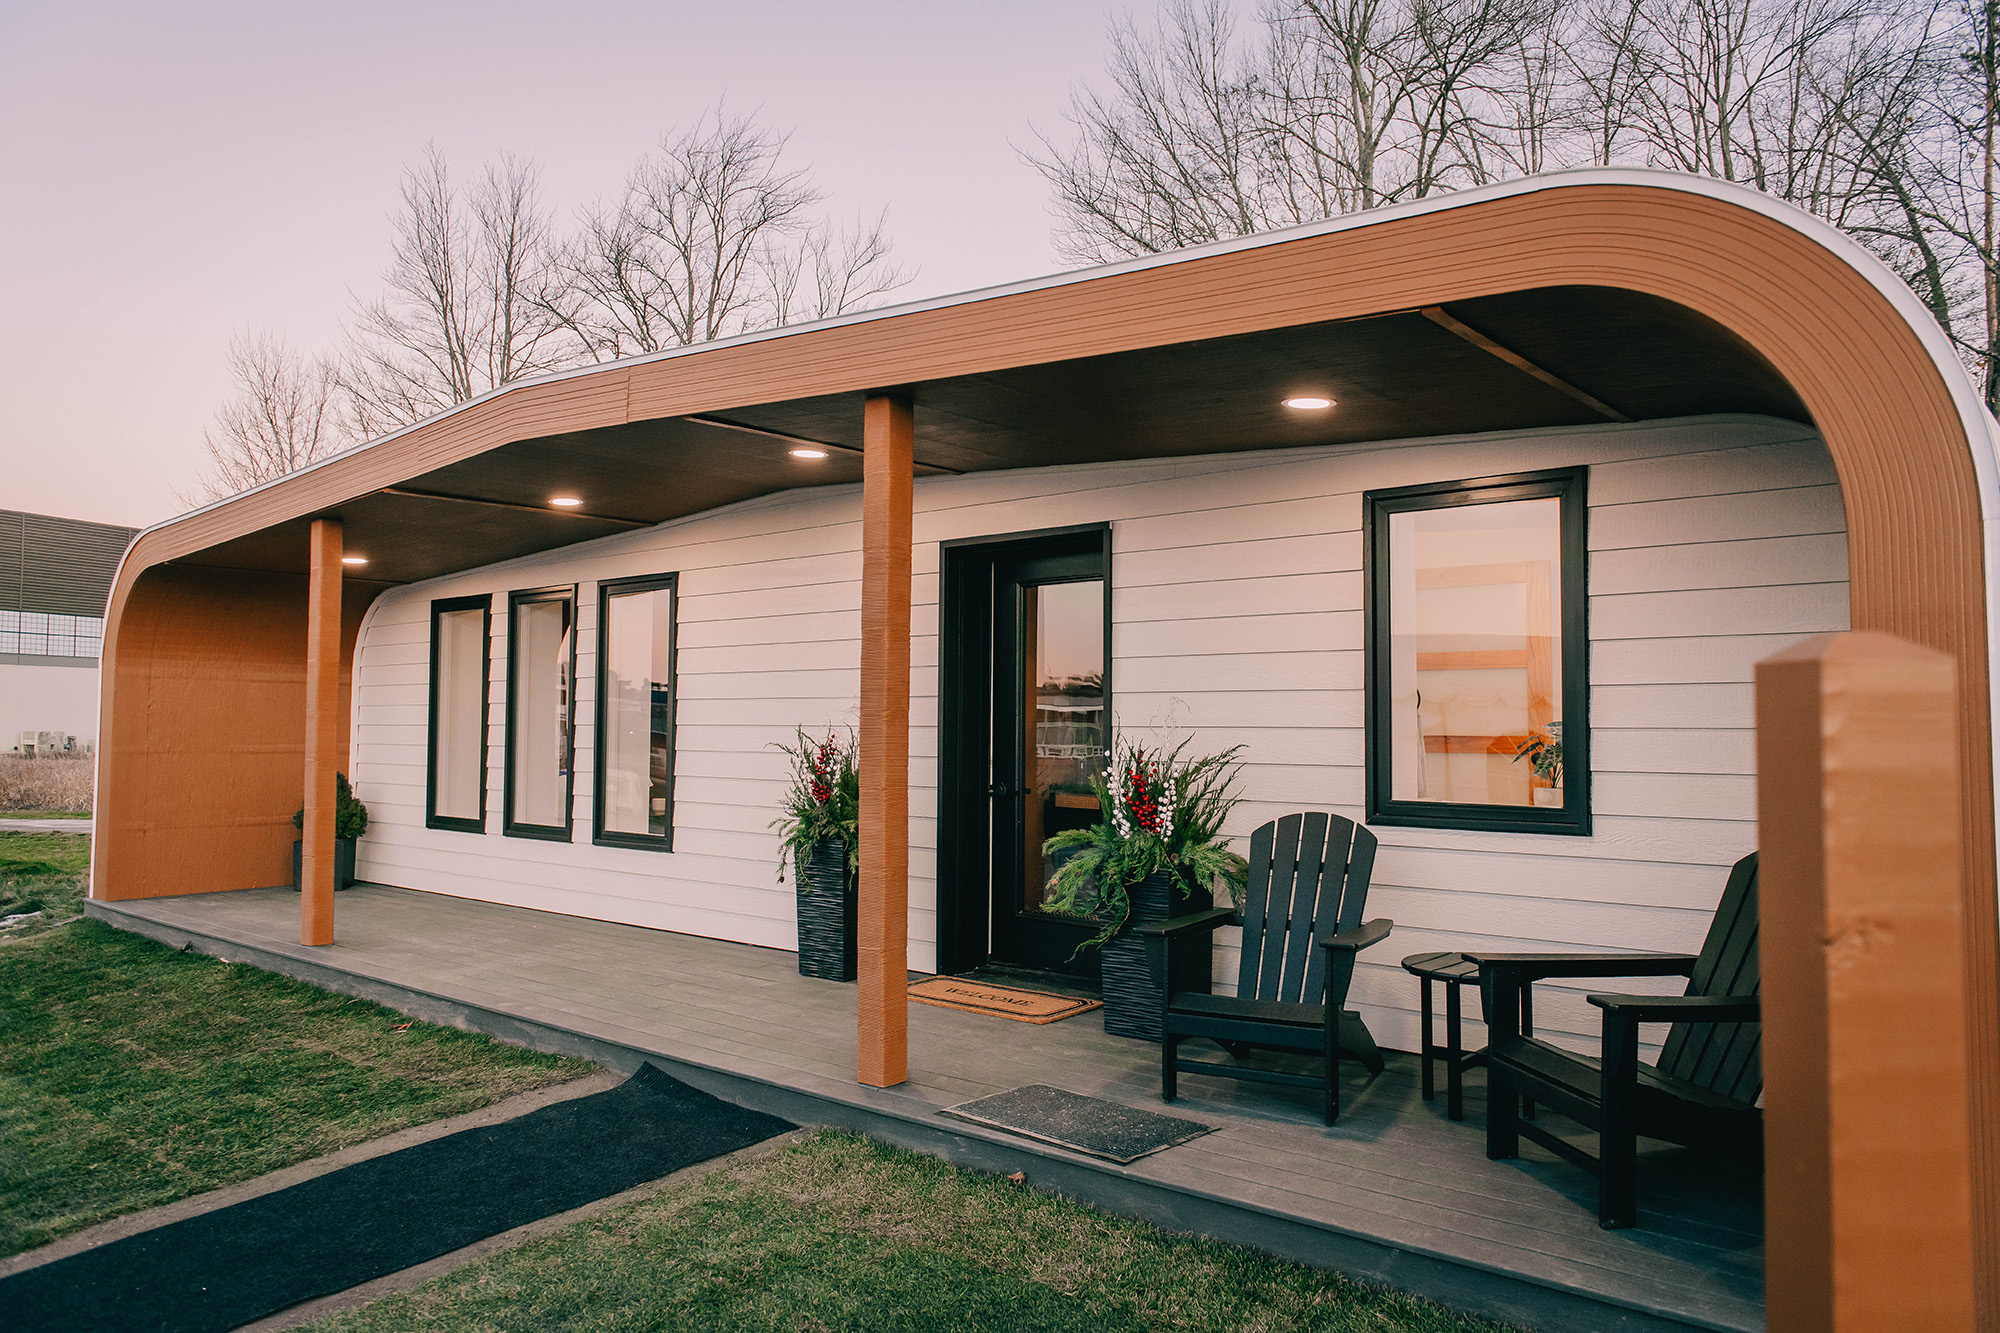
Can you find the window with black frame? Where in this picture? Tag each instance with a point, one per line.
(541, 681)
(461, 630)
(1477, 654)
(635, 713)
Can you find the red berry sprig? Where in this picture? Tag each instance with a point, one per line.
(1140, 799)
(822, 766)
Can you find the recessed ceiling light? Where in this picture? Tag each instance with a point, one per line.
(564, 501)
(354, 560)
(1309, 403)
(808, 453)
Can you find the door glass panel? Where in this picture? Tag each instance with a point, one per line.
(541, 719)
(1475, 650)
(1062, 665)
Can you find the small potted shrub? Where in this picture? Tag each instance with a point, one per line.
(1544, 753)
(350, 821)
(1155, 854)
(818, 830)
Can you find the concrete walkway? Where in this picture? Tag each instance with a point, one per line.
(47, 825)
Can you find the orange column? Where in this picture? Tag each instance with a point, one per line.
(883, 943)
(1868, 1145)
(323, 732)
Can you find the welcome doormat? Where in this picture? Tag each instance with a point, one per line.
(1089, 1125)
(1023, 1006)
(238, 1264)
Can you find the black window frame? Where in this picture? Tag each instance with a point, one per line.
(1573, 817)
(440, 607)
(509, 826)
(606, 590)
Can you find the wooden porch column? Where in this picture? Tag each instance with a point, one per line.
(323, 731)
(1868, 1145)
(884, 909)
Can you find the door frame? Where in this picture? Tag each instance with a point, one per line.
(965, 724)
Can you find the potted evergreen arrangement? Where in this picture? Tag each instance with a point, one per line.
(818, 831)
(1544, 753)
(350, 821)
(1155, 854)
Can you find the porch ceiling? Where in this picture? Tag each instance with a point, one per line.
(1394, 375)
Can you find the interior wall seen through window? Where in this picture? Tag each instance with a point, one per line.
(638, 711)
(1476, 650)
(541, 712)
(461, 713)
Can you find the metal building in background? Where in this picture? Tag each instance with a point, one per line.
(55, 575)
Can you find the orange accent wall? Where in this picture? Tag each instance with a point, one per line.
(201, 754)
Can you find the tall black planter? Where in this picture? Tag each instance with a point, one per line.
(1131, 1001)
(826, 914)
(343, 862)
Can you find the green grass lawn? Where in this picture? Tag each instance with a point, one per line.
(840, 1233)
(132, 1075)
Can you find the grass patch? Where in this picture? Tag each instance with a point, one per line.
(44, 814)
(837, 1233)
(132, 1075)
(41, 872)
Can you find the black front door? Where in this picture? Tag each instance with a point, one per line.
(1026, 713)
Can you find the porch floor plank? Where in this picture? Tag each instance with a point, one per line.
(1395, 1172)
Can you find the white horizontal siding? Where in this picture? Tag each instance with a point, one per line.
(1236, 607)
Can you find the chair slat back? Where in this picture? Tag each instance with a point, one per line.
(1308, 879)
(1724, 1057)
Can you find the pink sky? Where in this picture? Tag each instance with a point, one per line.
(174, 173)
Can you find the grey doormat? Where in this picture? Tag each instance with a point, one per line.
(1082, 1124)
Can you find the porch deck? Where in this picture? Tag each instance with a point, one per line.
(1395, 1194)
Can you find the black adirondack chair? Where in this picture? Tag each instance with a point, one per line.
(1301, 929)
(1703, 1092)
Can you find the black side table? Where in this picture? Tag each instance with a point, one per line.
(1456, 971)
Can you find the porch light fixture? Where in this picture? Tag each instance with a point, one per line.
(564, 501)
(354, 560)
(1308, 403)
(808, 453)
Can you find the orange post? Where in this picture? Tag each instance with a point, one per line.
(888, 431)
(1868, 1143)
(323, 731)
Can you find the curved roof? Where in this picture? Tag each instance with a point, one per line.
(1182, 353)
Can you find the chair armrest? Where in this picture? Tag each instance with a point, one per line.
(1183, 925)
(1680, 1008)
(1159, 937)
(1507, 980)
(1536, 966)
(1363, 935)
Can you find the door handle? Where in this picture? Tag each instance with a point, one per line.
(1003, 789)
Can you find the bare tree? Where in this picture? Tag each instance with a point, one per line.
(1949, 200)
(1172, 155)
(713, 236)
(1881, 116)
(1345, 104)
(469, 299)
(1403, 99)
(286, 414)
(1973, 112)
(832, 270)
